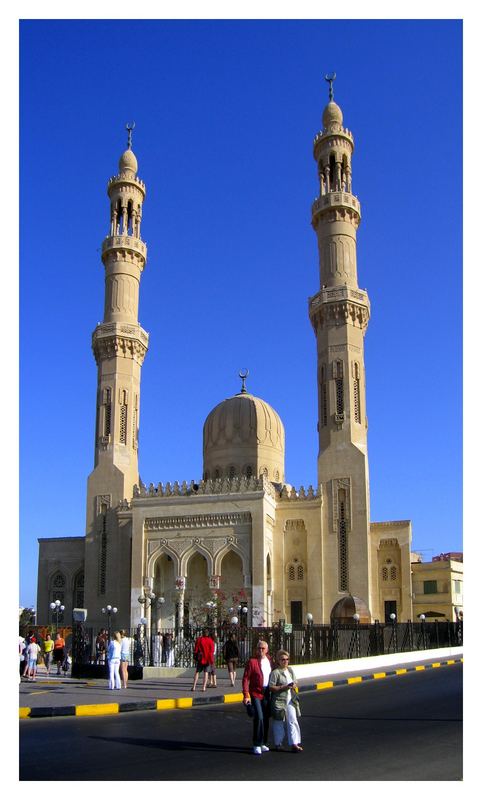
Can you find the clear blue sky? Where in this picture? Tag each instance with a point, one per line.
(225, 115)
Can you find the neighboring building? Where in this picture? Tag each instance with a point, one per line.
(438, 589)
(242, 530)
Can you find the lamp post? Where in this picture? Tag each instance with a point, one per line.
(393, 618)
(57, 608)
(422, 620)
(243, 614)
(109, 610)
(356, 620)
(210, 605)
(146, 600)
(160, 603)
(309, 639)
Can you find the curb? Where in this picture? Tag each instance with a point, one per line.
(103, 709)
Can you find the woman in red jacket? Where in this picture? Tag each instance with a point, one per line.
(256, 692)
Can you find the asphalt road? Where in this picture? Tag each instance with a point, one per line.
(400, 728)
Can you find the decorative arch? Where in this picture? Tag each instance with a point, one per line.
(218, 558)
(197, 547)
(78, 589)
(231, 569)
(163, 549)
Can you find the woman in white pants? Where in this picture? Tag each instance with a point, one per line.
(285, 706)
(113, 655)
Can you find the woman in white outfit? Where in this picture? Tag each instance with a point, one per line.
(113, 655)
(285, 706)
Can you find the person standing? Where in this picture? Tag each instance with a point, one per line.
(157, 649)
(33, 651)
(231, 656)
(212, 667)
(59, 652)
(256, 692)
(113, 657)
(204, 656)
(285, 706)
(124, 658)
(168, 647)
(48, 648)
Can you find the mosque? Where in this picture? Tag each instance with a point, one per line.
(241, 533)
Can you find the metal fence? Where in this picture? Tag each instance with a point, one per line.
(305, 643)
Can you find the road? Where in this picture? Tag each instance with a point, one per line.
(399, 728)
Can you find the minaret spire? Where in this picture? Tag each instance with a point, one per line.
(339, 313)
(129, 129)
(330, 79)
(119, 343)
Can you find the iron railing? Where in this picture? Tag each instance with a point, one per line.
(305, 643)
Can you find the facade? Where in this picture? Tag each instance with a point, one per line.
(242, 533)
(438, 588)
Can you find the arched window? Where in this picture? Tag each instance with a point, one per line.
(291, 572)
(384, 574)
(393, 573)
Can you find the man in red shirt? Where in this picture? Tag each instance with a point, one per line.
(204, 656)
(256, 692)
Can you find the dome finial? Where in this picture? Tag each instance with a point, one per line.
(243, 374)
(129, 129)
(329, 79)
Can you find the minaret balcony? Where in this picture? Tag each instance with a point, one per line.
(335, 199)
(129, 243)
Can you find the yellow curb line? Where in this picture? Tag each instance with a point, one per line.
(325, 685)
(233, 698)
(187, 702)
(96, 710)
(162, 704)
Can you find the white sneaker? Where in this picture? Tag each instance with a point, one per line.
(257, 751)
(264, 748)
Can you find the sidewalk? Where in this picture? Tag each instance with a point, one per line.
(52, 696)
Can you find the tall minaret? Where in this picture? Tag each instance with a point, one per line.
(339, 313)
(119, 344)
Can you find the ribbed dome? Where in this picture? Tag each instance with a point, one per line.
(243, 435)
(128, 162)
(344, 609)
(332, 116)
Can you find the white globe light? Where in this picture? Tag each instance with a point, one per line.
(114, 610)
(53, 606)
(393, 616)
(356, 617)
(234, 620)
(309, 617)
(422, 617)
(109, 608)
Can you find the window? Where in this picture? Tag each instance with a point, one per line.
(384, 574)
(291, 572)
(393, 573)
(430, 587)
(342, 546)
(457, 587)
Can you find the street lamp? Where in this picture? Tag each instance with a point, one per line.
(422, 620)
(160, 603)
(393, 618)
(57, 608)
(109, 610)
(356, 619)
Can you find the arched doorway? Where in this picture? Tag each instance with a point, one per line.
(197, 590)
(163, 614)
(232, 581)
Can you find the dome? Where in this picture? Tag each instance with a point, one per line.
(344, 609)
(332, 116)
(128, 162)
(243, 435)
